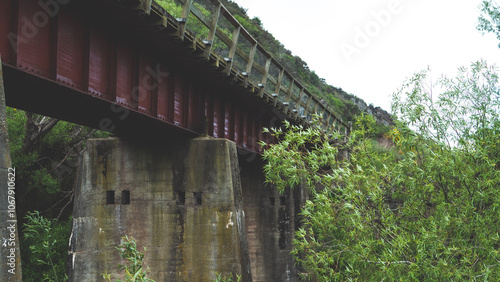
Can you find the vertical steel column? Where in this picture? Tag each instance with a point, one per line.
(10, 266)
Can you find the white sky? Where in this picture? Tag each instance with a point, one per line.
(400, 38)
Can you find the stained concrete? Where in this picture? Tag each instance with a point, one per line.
(185, 208)
(197, 207)
(271, 219)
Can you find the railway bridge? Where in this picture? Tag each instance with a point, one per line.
(187, 91)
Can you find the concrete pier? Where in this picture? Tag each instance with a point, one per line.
(195, 205)
(184, 205)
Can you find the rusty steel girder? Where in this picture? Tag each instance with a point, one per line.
(110, 65)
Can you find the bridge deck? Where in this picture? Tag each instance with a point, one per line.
(132, 68)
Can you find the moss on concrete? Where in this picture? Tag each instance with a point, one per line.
(188, 241)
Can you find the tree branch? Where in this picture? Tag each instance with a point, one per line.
(36, 131)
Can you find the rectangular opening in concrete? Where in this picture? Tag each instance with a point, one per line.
(110, 197)
(197, 198)
(125, 197)
(181, 198)
(282, 201)
(271, 199)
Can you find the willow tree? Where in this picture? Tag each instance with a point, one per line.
(425, 208)
(489, 20)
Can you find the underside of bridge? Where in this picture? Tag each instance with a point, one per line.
(107, 67)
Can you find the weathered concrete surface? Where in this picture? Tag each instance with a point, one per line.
(185, 208)
(271, 220)
(10, 261)
(195, 205)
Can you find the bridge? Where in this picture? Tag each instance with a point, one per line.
(160, 74)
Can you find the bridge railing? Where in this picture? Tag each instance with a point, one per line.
(231, 47)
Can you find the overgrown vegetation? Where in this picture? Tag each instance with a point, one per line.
(45, 242)
(134, 270)
(425, 209)
(230, 278)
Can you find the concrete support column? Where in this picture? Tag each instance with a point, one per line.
(10, 261)
(182, 201)
(271, 219)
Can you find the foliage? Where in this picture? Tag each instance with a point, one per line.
(134, 271)
(173, 8)
(45, 163)
(466, 109)
(221, 278)
(253, 26)
(194, 25)
(424, 209)
(489, 20)
(47, 244)
(291, 164)
(30, 173)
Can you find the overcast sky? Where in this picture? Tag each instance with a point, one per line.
(369, 47)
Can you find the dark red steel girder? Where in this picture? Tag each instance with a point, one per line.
(96, 63)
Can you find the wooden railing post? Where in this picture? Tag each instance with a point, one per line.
(232, 50)
(277, 90)
(315, 110)
(306, 107)
(212, 31)
(251, 58)
(183, 19)
(299, 101)
(289, 95)
(327, 123)
(334, 124)
(264, 76)
(146, 6)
